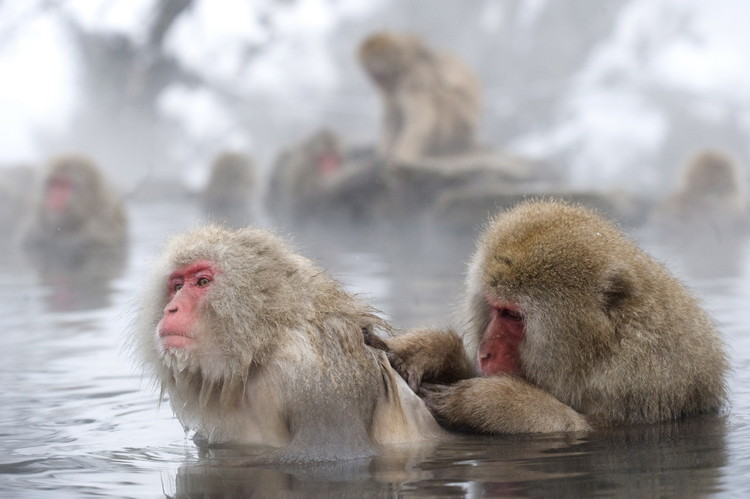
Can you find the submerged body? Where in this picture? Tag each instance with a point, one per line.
(254, 344)
(568, 326)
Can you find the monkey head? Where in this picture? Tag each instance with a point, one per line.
(711, 173)
(325, 151)
(387, 56)
(233, 169)
(530, 303)
(71, 190)
(193, 317)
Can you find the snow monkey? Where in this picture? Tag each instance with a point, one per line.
(431, 100)
(76, 212)
(229, 194)
(254, 344)
(568, 326)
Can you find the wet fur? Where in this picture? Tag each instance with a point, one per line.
(431, 99)
(286, 365)
(611, 336)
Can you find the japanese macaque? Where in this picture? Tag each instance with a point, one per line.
(302, 174)
(75, 213)
(705, 223)
(254, 344)
(229, 195)
(431, 100)
(711, 197)
(569, 326)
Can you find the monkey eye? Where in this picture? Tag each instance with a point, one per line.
(510, 315)
(177, 287)
(203, 281)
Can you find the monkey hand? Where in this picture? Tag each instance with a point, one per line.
(499, 404)
(426, 355)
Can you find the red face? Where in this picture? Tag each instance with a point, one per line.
(329, 163)
(498, 351)
(188, 286)
(59, 192)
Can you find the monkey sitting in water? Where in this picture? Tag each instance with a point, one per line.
(254, 344)
(568, 326)
(76, 211)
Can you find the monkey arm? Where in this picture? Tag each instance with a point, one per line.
(500, 404)
(418, 118)
(390, 128)
(427, 355)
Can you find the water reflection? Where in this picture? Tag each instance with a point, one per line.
(682, 458)
(76, 418)
(80, 283)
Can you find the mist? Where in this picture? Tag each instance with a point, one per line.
(613, 93)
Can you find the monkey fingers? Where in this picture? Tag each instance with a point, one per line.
(411, 372)
(373, 340)
(500, 404)
(428, 355)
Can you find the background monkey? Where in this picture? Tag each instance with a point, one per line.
(431, 100)
(711, 199)
(256, 345)
(302, 174)
(229, 194)
(75, 213)
(571, 326)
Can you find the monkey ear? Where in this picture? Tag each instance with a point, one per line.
(617, 285)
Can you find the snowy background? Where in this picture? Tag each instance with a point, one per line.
(613, 92)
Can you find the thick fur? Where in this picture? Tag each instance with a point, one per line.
(229, 194)
(431, 100)
(711, 199)
(95, 216)
(611, 337)
(298, 189)
(281, 359)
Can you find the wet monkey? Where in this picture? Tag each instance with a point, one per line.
(229, 194)
(75, 209)
(431, 100)
(711, 198)
(254, 344)
(302, 174)
(568, 326)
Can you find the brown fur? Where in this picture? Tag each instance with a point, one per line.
(95, 218)
(610, 336)
(228, 196)
(711, 198)
(297, 188)
(431, 100)
(280, 358)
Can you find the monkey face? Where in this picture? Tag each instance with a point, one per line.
(388, 56)
(499, 347)
(187, 287)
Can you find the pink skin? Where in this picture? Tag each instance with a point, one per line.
(498, 351)
(59, 192)
(329, 163)
(187, 286)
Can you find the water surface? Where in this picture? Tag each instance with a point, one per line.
(76, 417)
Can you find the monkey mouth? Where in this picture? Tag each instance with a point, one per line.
(174, 340)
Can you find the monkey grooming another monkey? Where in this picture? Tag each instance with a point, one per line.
(431, 99)
(569, 326)
(254, 344)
